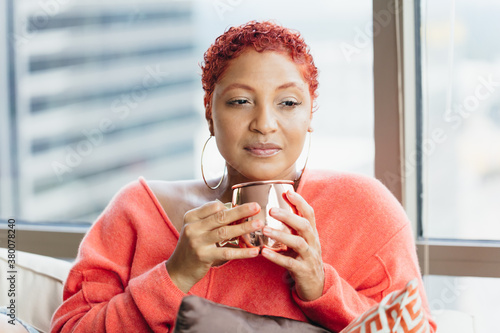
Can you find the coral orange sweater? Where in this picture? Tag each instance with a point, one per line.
(119, 282)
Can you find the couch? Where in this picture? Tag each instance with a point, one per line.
(40, 280)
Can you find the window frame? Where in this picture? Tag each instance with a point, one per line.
(398, 102)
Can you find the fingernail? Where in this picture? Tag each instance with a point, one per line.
(267, 252)
(257, 224)
(254, 251)
(275, 211)
(267, 231)
(254, 206)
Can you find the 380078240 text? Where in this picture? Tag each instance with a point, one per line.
(11, 272)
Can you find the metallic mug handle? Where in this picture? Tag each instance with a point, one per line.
(233, 241)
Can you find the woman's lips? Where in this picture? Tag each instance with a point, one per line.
(263, 149)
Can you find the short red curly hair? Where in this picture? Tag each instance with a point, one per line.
(262, 36)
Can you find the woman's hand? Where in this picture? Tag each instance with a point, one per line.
(306, 269)
(196, 250)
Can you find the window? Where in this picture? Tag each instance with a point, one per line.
(457, 143)
(461, 84)
(91, 101)
(405, 146)
(103, 93)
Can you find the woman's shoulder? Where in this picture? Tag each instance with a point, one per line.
(355, 195)
(177, 197)
(342, 182)
(176, 190)
(171, 195)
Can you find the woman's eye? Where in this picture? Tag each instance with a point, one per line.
(290, 103)
(238, 102)
(242, 101)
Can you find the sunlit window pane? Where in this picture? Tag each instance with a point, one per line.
(461, 83)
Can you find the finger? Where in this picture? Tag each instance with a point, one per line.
(305, 210)
(296, 243)
(289, 263)
(300, 224)
(228, 253)
(203, 211)
(226, 216)
(231, 231)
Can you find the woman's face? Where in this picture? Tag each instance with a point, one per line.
(261, 112)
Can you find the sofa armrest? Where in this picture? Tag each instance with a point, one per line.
(39, 286)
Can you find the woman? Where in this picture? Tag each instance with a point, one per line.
(157, 241)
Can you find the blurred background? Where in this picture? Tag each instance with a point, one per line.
(104, 92)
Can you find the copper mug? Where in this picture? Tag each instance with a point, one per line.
(267, 194)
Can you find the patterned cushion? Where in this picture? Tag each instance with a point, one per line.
(400, 311)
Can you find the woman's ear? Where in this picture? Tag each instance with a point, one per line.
(210, 123)
(208, 115)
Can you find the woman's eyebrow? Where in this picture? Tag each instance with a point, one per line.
(247, 87)
(237, 85)
(290, 84)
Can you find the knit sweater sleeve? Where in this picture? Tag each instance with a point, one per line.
(380, 249)
(102, 293)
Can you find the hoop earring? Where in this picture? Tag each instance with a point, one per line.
(307, 157)
(203, 173)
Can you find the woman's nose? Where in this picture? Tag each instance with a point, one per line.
(264, 120)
